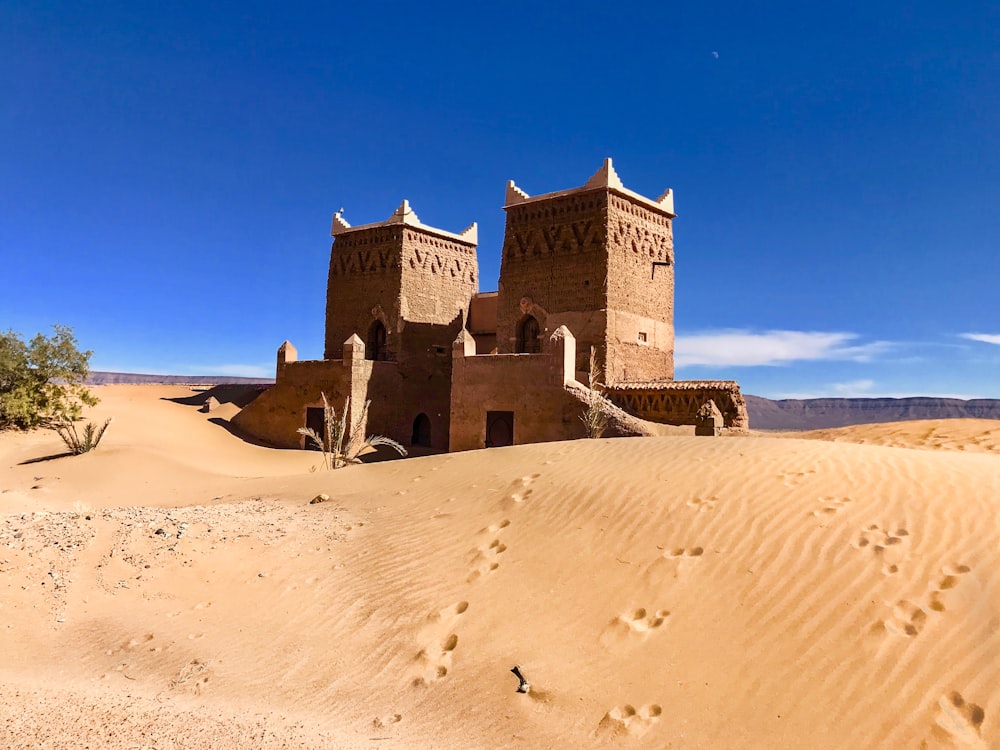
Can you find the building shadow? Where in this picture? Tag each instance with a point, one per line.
(235, 393)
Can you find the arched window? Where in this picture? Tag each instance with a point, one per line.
(376, 341)
(528, 341)
(421, 431)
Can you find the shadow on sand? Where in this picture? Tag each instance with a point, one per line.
(238, 394)
(45, 458)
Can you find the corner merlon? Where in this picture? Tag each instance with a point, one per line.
(404, 215)
(514, 194)
(339, 223)
(606, 176)
(471, 233)
(667, 200)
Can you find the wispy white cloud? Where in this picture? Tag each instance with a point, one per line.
(987, 338)
(751, 349)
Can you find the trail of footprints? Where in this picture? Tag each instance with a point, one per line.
(439, 640)
(485, 558)
(909, 619)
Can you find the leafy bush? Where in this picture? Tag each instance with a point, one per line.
(41, 382)
(91, 436)
(335, 454)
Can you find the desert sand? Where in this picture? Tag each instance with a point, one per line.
(176, 589)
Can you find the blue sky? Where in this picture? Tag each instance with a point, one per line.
(168, 171)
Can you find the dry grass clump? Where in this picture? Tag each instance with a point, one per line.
(595, 414)
(331, 443)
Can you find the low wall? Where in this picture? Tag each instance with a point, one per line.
(276, 415)
(677, 402)
(531, 386)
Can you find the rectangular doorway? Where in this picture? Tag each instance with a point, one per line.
(499, 428)
(315, 421)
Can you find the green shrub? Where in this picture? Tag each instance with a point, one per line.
(41, 382)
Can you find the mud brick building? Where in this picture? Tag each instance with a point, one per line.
(448, 368)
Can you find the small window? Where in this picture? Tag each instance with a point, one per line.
(642, 337)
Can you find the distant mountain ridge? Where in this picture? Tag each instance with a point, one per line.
(823, 413)
(130, 378)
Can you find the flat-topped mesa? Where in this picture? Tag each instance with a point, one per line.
(388, 274)
(598, 259)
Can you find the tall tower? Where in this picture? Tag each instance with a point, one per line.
(394, 272)
(598, 259)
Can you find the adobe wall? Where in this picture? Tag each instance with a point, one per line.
(532, 386)
(482, 322)
(554, 254)
(439, 277)
(276, 414)
(640, 292)
(678, 402)
(423, 384)
(364, 282)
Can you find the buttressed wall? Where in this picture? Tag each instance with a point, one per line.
(599, 260)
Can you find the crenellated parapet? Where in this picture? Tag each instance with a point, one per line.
(395, 272)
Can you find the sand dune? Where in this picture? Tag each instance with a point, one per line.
(971, 435)
(176, 589)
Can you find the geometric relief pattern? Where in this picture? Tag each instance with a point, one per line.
(361, 260)
(560, 239)
(679, 404)
(433, 263)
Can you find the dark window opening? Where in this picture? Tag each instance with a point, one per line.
(528, 341)
(421, 431)
(499, 428)
(376, 342)
(316, 423)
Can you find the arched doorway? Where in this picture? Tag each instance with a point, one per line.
(375, 348)
(499, 428)
(528, 341)
(421, 431)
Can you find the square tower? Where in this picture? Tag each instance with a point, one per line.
(598, 259)
(385, 275)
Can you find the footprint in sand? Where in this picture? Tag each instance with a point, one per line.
(673, 562)
(626, 720)
(702, 504)
(379, 722)
(638, 623)
(831, 505)
(908, 619)
(959, 722)
(438, 640)
(794, 478)
(193, 677)
(886, 545)
(521, 489)
(484, 558)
